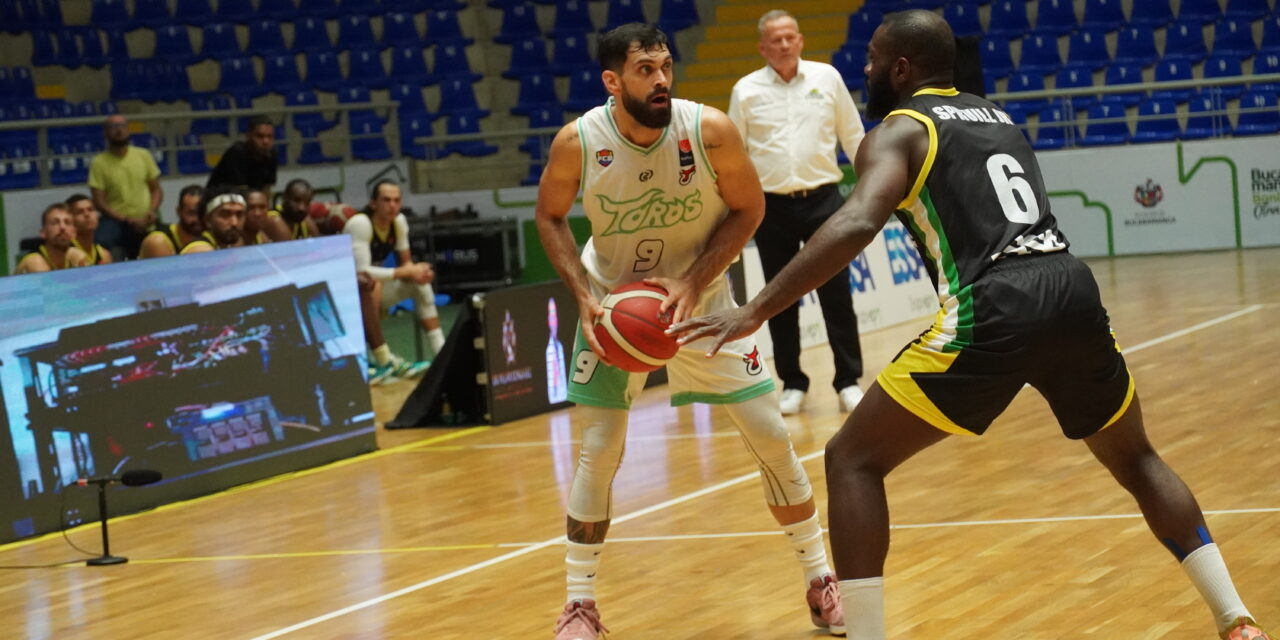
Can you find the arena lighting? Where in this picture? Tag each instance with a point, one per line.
(132, 478)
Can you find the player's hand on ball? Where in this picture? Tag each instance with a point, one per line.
(589, 310)
(682, 298)
(721, 327)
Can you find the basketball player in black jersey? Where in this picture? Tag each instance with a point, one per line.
(1015, 308)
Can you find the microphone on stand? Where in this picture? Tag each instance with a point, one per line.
(131, 478)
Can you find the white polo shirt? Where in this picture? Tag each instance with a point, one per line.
(791, 128)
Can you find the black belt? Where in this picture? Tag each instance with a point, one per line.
(803, 193)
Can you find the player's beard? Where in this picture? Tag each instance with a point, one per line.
(227, 237)
(192, 227)
(645, 113)
(881, 98)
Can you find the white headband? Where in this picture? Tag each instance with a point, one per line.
(226, 198)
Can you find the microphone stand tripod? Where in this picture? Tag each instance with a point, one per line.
(106, 558)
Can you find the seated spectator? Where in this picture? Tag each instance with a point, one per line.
(377, 233)
(223, 209)
(57, 230)
(125, 184)
(292, 221)
(249, 163)
(85, 217)
(171, 239)
(256, 202)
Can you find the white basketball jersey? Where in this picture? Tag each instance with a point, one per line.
(652, 210)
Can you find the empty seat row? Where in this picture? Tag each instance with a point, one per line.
(115, 15)
(1009, 18)
(1158, 121)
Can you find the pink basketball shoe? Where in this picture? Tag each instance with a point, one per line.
(580, 621)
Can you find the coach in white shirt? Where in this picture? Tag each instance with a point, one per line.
(791, 113)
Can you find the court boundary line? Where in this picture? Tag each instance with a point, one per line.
(656, 507)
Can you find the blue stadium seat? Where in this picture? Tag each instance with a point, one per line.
(196, 13)
(109, 14)
(1136, 45)
(280, 74)
(1121, 74)
(1200, 11)
(676, 15)
(1224, 67)
(66, 167)
(174, 43)
(1040, 54)
(400, 30)
(219, 42)
(1169, 71)
(323, 72)
(411, 128)
(443, 28)
(210, 126)
(124, 81)
(308, 124)
(1184, 40)
(191, 158)
(1206, 118)
(278, 10)
(1151, 13)
(310, 34)
(91, 52)
(451, 62)
(464, 123)
(118, 48)
(313, 153)
(1076, 78)
(586, 91)
(1103, 15)
(43, 52)
(51, 13)
(11, 22)
(537, 91)
(1057, 17)
(1233, 37)
(7, 93)
(572, 19)
(1100, 133)
(1157, 122)
(239, 78)
(519, 21)
(1271, 33)
(862, 25)
(1022, 82)
(544, 118)
(354, 32)
(1247, 9)
(997, 62)
(1088, 49)
(362, 7)
(1256, 123)
(1266, 64)
(408, 65)
(527, 56)
(321, 9)
(1008, 19)
(68, 49)
(570, 53)
(368, 142)
(457, 96)
(409, 95)
(354, 94)
(623, 11)
(237, 11)
(151, 13)
(365, 67)
(963, 18)
(849, 64)
(266, 39)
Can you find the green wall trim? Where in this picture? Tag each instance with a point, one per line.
(1185, 177)
(1111, 241)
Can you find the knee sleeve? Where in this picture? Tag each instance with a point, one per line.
(424, 299)
(604, 437)
(765, 435)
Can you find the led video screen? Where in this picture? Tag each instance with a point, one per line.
(214, 369)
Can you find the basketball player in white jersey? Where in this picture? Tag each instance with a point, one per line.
(672, 198)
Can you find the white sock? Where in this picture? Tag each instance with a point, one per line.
(382, 355)
(581, 563)
(1209, 574)
(436, 338)
(863, 602)
(805, 538)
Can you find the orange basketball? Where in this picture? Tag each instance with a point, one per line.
(631, 331)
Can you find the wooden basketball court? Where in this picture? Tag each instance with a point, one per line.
(455, 533)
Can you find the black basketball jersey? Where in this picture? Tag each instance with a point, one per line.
(381, 246)
(979, 195)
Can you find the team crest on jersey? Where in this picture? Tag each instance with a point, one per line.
(1149, 194)
(604, 157)
(753, 362)
(686, 175)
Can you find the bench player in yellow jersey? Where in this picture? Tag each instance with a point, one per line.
(170, 239)
(1015, 308)
(223, 209)
(292, 221)
(56, 252)
(85, 216)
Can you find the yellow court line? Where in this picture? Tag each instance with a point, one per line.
(372, 455)
(315, 554)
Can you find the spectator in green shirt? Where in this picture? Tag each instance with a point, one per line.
(125, 183)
